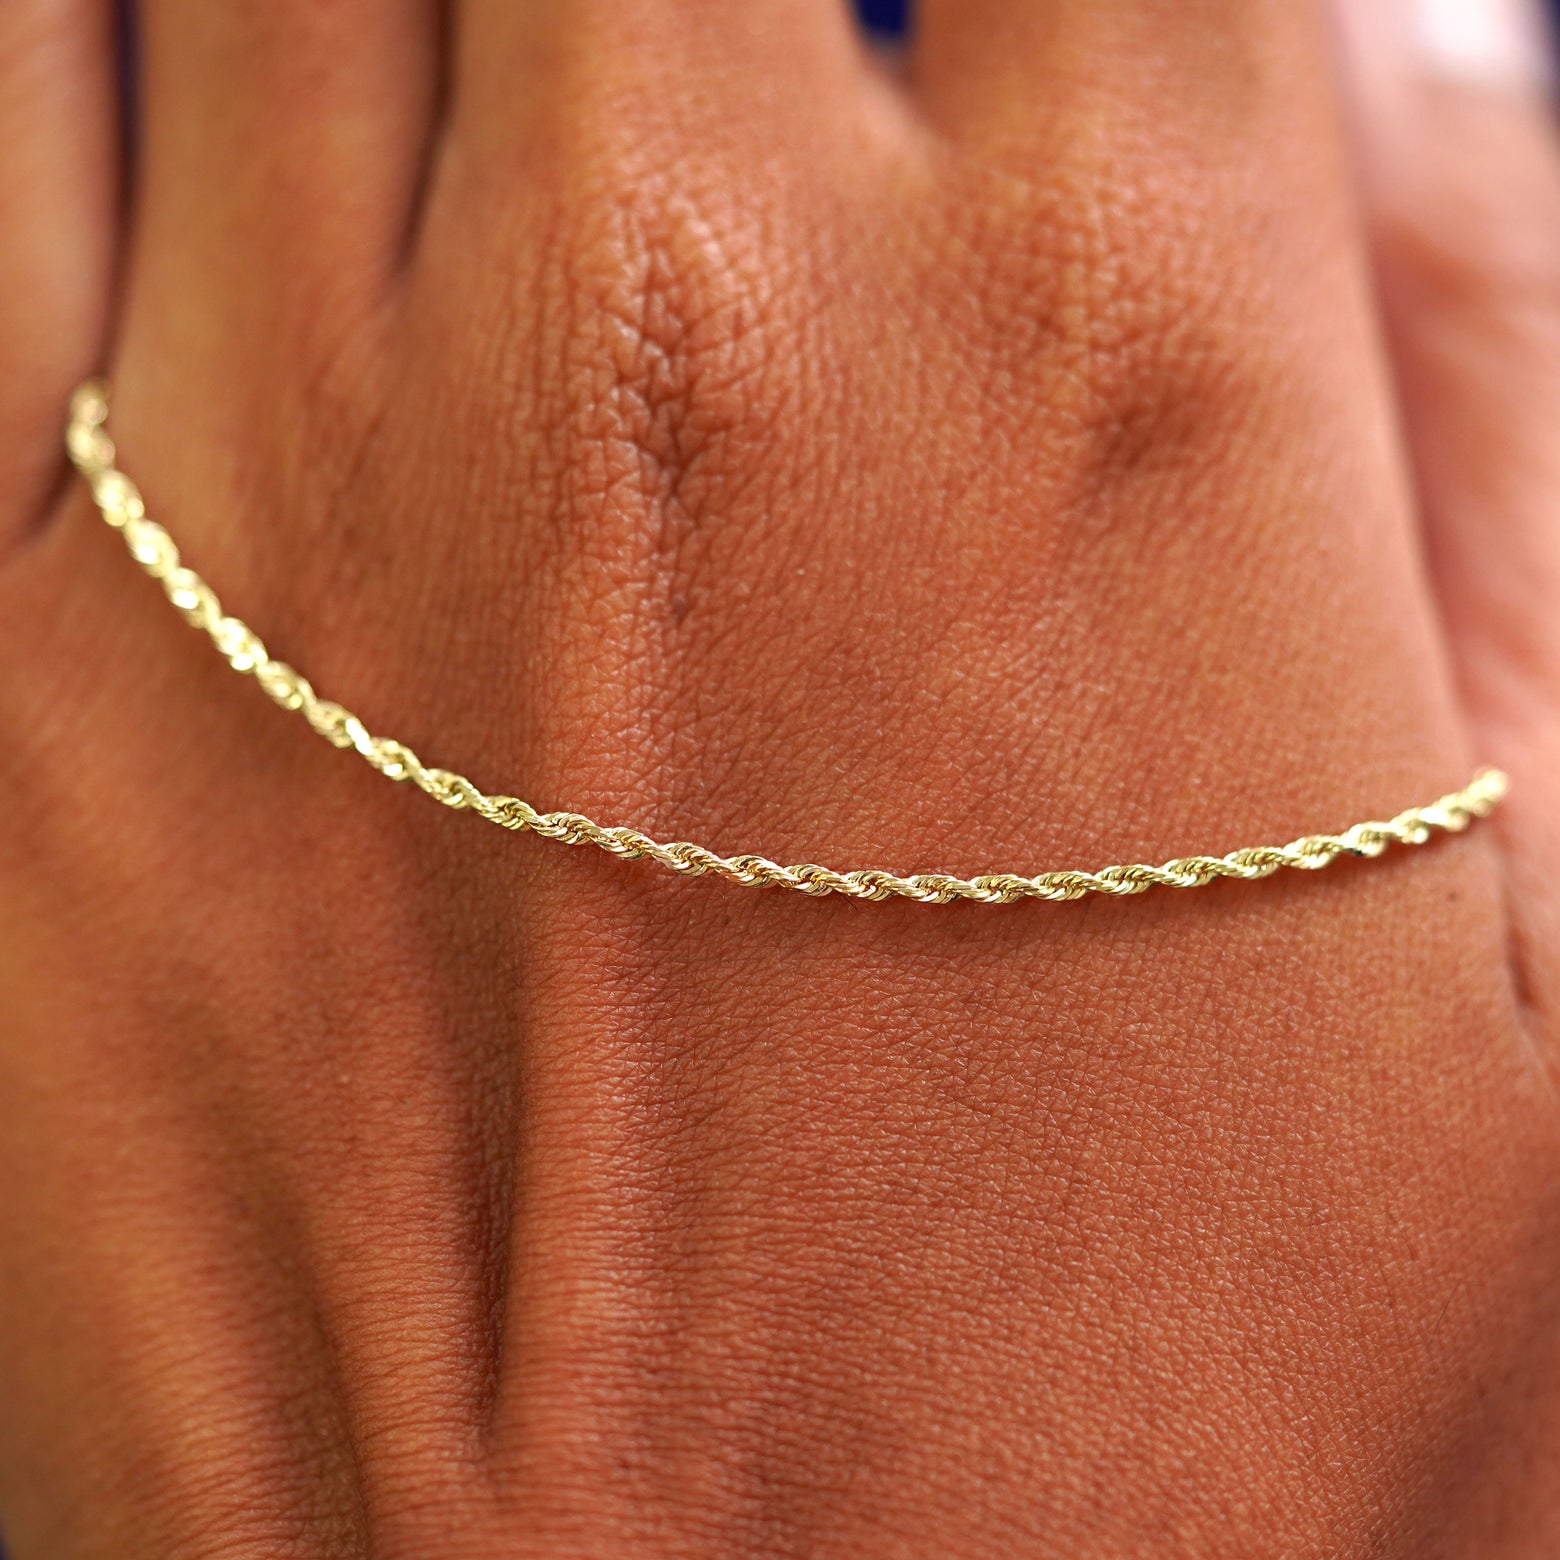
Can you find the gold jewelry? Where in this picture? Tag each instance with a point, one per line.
(92, 452)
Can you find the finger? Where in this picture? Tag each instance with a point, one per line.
(1462, 163)
(284, 138)
(654, 69)
(1004, 70)
(58, 194)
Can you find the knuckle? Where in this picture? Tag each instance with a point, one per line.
(1120, 325)
(668, 329)
(659, 381)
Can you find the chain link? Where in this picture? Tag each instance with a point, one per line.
(92, 452)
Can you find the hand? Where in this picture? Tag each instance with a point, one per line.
(662, 411)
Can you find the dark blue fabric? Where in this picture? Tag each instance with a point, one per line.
(889, 18)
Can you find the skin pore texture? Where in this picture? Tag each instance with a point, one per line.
(1100, 438)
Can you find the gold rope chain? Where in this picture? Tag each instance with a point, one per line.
(92, 452)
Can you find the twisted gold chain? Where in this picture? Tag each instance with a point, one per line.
(119, 501)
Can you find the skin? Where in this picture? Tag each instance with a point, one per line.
(1095, 444)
